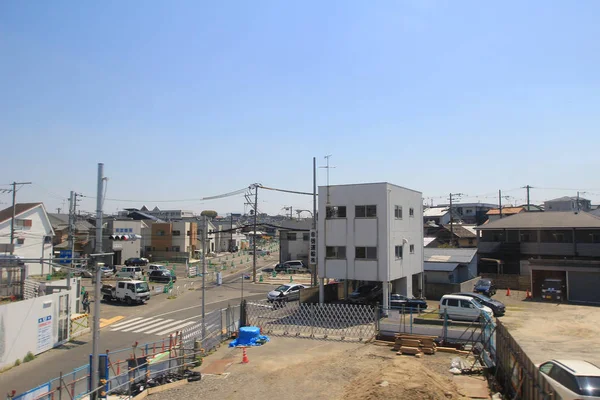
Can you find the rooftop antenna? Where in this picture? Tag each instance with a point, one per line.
(328, 167)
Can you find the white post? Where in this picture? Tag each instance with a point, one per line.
(386, 296)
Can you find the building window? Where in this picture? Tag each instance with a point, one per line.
(336, 212)
(160, 233)
(411, 212)
(469, 211)
(398, 212)
(176, 249)
(305, 236)
(176, 233)
(369, 253)
(291, 236)
(21, 223)
(20, 240)
(336, 252)
(148, 248)
(471, 241)
(365, 211)
(398, 251)
(412, 249)
(189, 233)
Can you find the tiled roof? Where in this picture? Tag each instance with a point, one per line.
(545, 220)
(506, 211)
(461, 232)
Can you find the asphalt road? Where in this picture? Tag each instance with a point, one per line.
(144, 323)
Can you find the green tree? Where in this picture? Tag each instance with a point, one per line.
(209, 213)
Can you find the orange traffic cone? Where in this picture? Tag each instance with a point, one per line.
(508, 292)
(527, 294)
(244, 356)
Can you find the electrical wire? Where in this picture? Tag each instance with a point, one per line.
(286, 191)
(220, 196)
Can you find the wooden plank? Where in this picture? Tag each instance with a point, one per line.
(415, 336)
(428, 350)
(411, 342)
(447, 350)
(410, 350)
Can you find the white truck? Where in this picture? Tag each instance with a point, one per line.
(128, 291)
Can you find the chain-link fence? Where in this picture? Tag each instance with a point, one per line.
(319, 321)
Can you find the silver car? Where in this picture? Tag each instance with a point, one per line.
(289, 292)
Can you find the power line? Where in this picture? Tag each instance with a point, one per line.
(220, 196)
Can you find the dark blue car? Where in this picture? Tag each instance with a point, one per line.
(486, 287)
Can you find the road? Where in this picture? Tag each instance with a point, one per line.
(125, 325)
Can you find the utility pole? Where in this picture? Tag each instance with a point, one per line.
(500, 202)
(314, 220)
(254, 240)
(94, 368)
(72, 225)
(14, 214)
(203, 278)
(328, 167)
(528, 188)
(231, 234)
(452, 195)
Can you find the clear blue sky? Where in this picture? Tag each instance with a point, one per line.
(187, 99)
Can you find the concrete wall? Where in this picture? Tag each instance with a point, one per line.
(32, 326)
(383, 231)
(128, 248)
(33, 245)
(435, 291)
(506, 281)
(294, 249)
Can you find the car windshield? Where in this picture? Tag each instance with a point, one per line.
(477, 303)
(398, 297)
(555, 284)
(483, 282)
(141, 287)
(282, 288)
(590, 385)
(482, 297)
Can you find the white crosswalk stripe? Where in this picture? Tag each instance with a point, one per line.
(151, 325)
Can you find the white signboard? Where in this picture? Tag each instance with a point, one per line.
(44, 337)
(312, 257)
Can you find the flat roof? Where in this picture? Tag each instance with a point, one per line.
(371, 183)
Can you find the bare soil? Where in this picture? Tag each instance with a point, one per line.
(293, 369)
(547, 330)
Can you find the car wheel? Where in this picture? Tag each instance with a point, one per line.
(129, 301)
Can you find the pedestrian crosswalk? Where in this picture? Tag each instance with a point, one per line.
(155, 326)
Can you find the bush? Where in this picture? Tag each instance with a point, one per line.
(17, 363)
(29, 357)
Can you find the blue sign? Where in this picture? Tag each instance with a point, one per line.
(65, 256)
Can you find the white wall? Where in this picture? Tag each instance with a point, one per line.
(33, 245)
(31, 326)
(384, 232)
(128, 248)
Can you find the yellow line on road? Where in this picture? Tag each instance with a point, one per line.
(106, 322)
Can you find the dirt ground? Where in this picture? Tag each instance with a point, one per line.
(549, 330)
(293, 369)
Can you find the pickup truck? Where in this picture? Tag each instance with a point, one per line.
(128, 291)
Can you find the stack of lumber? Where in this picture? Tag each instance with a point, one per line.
(417, 345)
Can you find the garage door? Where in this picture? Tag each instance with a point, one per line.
(583, 286)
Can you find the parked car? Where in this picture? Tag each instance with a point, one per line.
(156, 267)
(295, 266)
(366, 294)
(268, 270)
(554, 289)
(497, 306)
(81, 270)
(289, 292)
(462, 308)
(279, 268)
(136, 262)
(485, 286)
(130, 272)
(400, 301)
(573, 379)
(162, 276)
(107, 271)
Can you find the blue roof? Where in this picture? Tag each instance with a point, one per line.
(440, 266)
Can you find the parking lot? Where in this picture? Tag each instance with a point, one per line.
(552, 331)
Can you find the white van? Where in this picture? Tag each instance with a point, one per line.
(130, 272)
(462, 308)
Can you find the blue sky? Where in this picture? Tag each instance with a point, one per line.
(187, 99)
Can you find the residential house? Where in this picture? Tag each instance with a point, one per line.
(495, 213)
(226, 236)
(33, 235)
(165, 215)
(437, 215)
(567, 203)
(82, 234)
(294, 241)
(453, 235)
(175, 240)
(371, 232)
(470, 213)
(545, 244)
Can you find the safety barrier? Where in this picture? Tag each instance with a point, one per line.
(80, 325)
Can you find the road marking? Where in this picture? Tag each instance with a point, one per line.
(145, 324)
(175, 328)
(105, 322)
(153, 325)
(207, 304)
(165, 326)
(126, 322)
(132, 324)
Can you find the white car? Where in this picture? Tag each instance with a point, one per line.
(573, 379)
(462, 308)
(289, 292)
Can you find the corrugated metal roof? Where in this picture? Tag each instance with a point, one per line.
(427, 240)
(435, 212)
(442, 267)
(461, 256)
(545, 220)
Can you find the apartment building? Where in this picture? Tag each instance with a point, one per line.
(294, 240)
(371, 232)
(173, 240)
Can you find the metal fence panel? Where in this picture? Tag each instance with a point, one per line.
(518, 375)
(322, 321)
